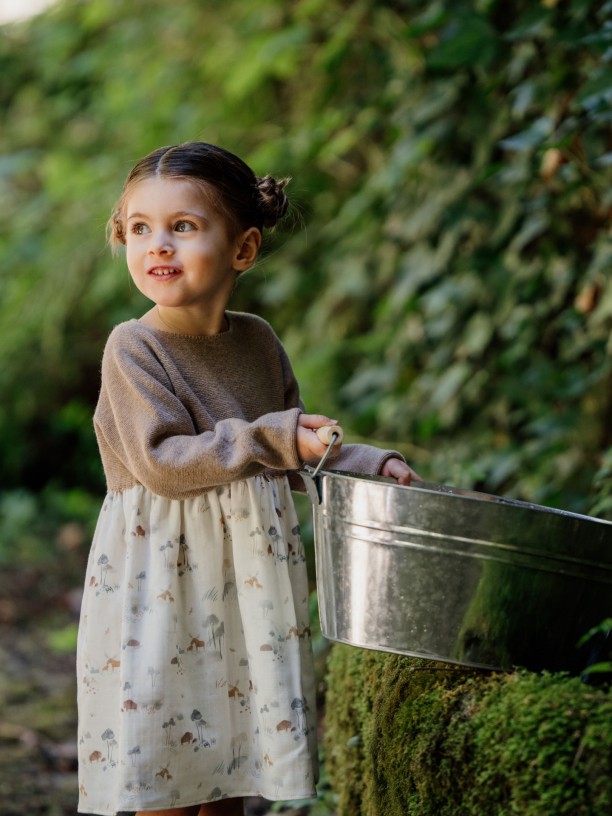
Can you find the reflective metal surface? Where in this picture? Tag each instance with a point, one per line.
(458, 576)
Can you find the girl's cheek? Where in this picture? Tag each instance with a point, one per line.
(130, 256)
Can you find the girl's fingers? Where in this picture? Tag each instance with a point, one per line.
(314, 421)
(400, 471)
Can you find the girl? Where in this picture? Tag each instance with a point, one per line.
(195, 681)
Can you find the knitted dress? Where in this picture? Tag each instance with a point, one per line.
(195, 677)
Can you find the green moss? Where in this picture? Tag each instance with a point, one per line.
(537, 741)
(407, 737)
(349, 719)
(408, 760)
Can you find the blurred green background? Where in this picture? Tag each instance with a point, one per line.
(443, 286)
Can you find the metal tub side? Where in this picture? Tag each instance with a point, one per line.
(458, 576)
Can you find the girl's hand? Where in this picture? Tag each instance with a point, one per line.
(309, 446)
(399, 471)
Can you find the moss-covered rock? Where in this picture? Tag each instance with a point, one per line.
(348, 705)
(406, 737)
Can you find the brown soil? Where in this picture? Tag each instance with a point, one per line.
(37, 699)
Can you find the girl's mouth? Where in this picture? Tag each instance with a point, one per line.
(162, 272)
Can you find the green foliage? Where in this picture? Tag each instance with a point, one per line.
(603, 487)
(436, 741)
(64, 640)
(449, 290)
(599, 635)
(37, 529)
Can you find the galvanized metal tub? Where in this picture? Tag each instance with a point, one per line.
(458, 576)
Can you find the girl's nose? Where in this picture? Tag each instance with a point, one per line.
(161, 245)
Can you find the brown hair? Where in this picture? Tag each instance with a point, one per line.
(242, 198)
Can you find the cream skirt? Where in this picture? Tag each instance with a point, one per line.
(195, 678)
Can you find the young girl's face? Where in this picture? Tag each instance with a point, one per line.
(179, 252)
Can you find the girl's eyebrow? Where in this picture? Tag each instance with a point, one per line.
(179, 214)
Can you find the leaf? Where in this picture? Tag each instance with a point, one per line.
(63, 640)
(467, 40)
(534, 136)
(597, 91)
(603, 628)
(449, 384)
(597, 668)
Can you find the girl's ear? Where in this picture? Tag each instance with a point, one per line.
(248, 245)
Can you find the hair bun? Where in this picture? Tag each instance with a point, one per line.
(273, 203)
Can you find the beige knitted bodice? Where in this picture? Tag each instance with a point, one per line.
(180, 414)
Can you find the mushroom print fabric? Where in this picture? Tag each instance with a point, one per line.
(194, 664)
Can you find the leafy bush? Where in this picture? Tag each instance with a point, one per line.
(448, 292)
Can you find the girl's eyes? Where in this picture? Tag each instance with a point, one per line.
(181, 226)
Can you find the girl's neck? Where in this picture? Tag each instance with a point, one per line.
(176, 321)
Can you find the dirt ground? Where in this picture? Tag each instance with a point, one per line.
(38, 753)
(37, 697)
